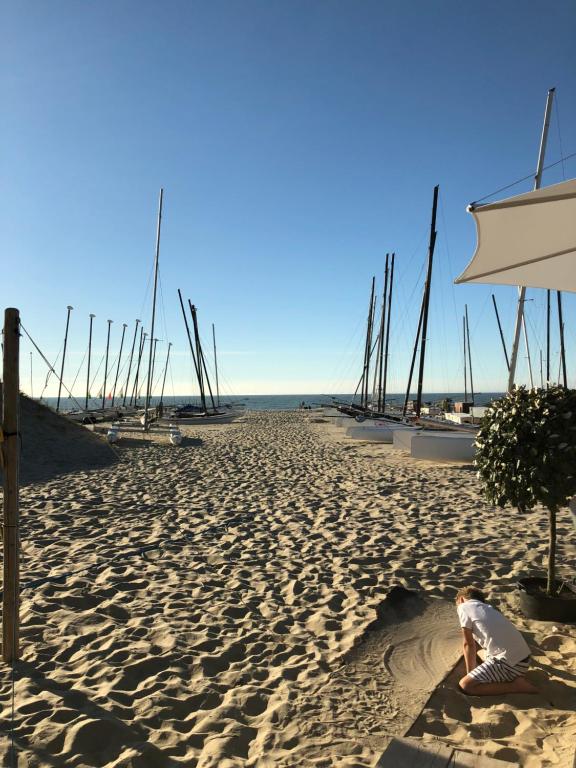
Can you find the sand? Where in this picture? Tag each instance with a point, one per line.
(214, 595)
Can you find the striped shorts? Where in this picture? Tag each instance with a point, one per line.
(498, 671)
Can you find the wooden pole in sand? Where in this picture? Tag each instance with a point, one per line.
(10, 448)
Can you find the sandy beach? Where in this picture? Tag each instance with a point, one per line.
(212, 593)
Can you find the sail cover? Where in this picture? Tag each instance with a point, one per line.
(527, 240)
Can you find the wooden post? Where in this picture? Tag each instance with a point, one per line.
(10, 448)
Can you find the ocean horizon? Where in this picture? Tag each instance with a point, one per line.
(268, 402)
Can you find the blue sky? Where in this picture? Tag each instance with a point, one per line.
(297, 142)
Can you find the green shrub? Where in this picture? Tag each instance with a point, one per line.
(526, 453)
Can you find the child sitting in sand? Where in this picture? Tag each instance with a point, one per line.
(507, 654)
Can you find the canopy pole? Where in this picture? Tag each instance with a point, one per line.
(522, 289)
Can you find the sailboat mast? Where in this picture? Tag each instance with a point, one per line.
(522, 289)
(380, 353)
(427, 301)
(89, 357)
(124, 326)
(141, 342)
(527, 349)
(387, 344)
(138, 381)
(130, 363)
(207, 378)
(69, 308)
(465, 361)
(106, 365)
(501, 333)
(408, 388)
(469, 353)
(367, 350)
(165, 372)
(149, 384)
(562, 348)
(216, 366)
(154, 359)
(188, 334)
(198, 353)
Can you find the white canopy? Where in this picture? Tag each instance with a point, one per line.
(527, 240)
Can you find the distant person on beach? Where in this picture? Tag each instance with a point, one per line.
(507, 654)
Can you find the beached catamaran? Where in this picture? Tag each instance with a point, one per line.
(207, 412)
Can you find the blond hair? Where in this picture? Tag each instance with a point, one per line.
(471, 593)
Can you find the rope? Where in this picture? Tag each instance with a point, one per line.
(79, 369)
(530, 176)
(49, 366)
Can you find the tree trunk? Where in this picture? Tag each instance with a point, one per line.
(551, 551)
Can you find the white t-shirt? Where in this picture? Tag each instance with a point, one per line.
(498, 636)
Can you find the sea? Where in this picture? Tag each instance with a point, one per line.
(275, 402)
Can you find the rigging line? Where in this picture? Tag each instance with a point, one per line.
(530, 176)
(162, 305)
(79, 369)
(147, 291)
(97, 370)
(48, 364)
(559, 136)
(51, 371)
